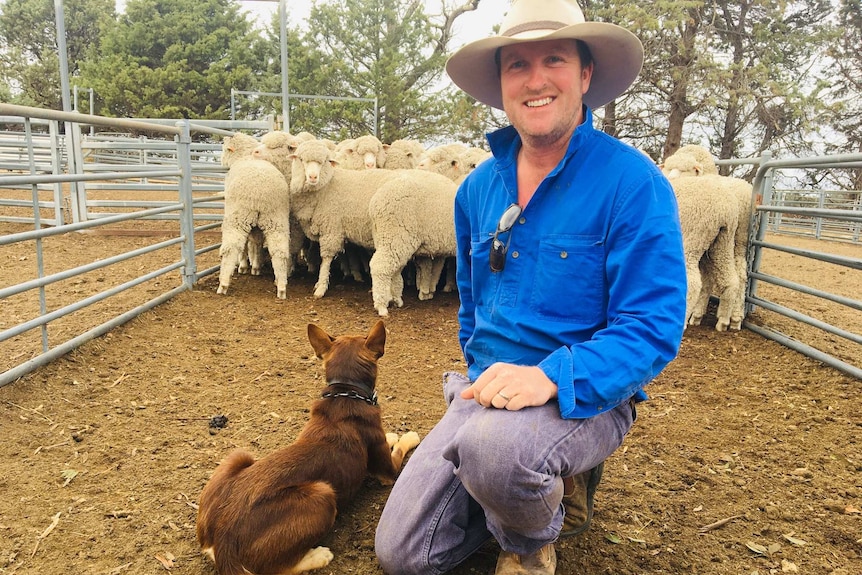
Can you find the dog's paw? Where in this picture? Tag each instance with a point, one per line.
(314, 559)
(391, 439)
(408, 441)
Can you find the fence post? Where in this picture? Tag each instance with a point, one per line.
(187, 216)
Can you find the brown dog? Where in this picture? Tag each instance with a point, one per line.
(266, 516)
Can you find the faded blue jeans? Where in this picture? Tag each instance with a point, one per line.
(485, 472)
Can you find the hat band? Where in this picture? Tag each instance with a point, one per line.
(530, 26)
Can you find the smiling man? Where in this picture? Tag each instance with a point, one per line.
(572, 285)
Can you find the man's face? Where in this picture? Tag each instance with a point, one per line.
(543, 86)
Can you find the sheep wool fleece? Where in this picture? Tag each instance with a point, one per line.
(594, 293)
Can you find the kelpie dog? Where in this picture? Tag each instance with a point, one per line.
(266, 516)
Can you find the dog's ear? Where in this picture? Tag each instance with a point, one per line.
(376, 339)
(320, 340)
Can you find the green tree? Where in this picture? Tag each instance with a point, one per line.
(772, 95)
(29, 61)
(175, 58)
(844, 118)
(385, 49)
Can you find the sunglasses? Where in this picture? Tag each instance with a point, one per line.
(497, 257)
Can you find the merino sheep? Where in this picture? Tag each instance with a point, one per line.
(362, 153)
(709, 217)
(411, 216)
(447, 160)
(256, 196)
(236, 147)
(403, 154)
(693, 161)
(690, 160)
(331, 204)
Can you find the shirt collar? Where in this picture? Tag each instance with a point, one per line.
(506, 142)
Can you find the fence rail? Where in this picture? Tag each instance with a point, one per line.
(61, 314)
(61, 194)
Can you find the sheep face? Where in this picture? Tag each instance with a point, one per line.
(679, 165)
(315, 163)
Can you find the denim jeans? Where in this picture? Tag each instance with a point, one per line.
(485, 472)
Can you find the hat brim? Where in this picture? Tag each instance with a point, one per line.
(617, 57)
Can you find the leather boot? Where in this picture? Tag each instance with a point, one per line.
(578, 492)
(542, 562)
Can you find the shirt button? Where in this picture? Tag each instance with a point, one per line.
(515, 255)
(564, 254)
(521, 220)
(600, 408)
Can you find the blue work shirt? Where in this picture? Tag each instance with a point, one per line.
(594, 287)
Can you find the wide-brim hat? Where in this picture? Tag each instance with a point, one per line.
(617, 53)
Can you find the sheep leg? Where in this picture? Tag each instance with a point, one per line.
(706, 274)
(279, 251)
(737, 314)
(695, 282)
(428, 271)
(726, 278)
(451, 280)
(254, 246)
(424, 271)
(385, 286)
(397, 289)
(232, 245)
(381, 283)
(243, 266)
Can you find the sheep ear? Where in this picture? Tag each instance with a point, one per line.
(385, 146)
(293, 157)
(333, 162)
(698, 169)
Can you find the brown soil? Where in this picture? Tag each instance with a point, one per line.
(747, 459)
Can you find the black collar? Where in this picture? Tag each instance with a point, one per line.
(360, 390)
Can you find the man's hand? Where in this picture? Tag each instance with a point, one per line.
(512, 387)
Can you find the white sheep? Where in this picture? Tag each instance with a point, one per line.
(330, 203)
(691, 160)
(236, 147)
(403, 154)
(256, 196)
(412, 216)
(455, 161)
(472, 158)
(695, 161)
(709, 217)
(363, 153)
(447, 159)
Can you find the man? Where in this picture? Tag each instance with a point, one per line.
(572, 285)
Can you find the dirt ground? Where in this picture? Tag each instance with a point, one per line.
(746, 460)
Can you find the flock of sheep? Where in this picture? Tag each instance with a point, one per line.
(297, 197)
(302, 197)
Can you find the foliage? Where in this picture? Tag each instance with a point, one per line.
(29, 62)
(843, 119)
(174, 59)
(386, 50)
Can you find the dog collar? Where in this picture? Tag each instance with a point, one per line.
(369, 395)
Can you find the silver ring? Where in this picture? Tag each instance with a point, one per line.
(500, 393)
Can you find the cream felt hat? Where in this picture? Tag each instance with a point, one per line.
(617, 53)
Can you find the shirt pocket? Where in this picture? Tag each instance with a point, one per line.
(569, 280)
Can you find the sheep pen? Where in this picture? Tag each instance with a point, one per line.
(746, 459)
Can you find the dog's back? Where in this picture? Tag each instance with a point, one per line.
(265, 516)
